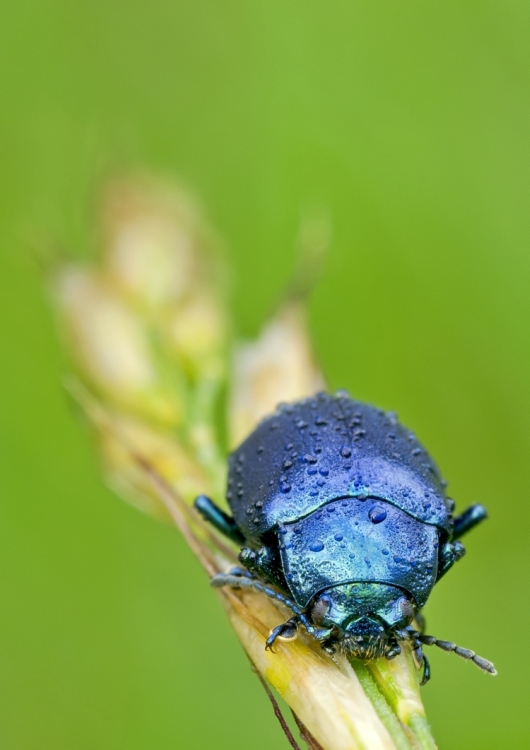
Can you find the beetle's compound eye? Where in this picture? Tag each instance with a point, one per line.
(407, 609)
(320, 609)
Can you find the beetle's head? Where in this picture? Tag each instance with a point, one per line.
(362, 617)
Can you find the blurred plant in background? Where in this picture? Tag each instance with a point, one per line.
(149, 337)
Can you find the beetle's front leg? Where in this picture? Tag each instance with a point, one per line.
(419, 657)
(287, 631)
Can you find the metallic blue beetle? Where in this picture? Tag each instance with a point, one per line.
(342, 510)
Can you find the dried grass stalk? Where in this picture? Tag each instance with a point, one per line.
(148, 334)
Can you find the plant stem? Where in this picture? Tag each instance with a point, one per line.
(384, 711)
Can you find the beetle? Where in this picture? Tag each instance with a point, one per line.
(342, 515)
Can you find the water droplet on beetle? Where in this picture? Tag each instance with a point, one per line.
(316, 547)
(338, 537)
(345, 452)
(285, 487)
(377, 514)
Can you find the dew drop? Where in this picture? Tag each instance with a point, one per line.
(346, 452)
(338, 537)
(316, 547)
(377, 514)
(285, 487)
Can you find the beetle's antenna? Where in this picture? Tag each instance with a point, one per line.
(465, 653)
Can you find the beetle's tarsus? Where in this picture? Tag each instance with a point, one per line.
(287, 631)
(426, 676)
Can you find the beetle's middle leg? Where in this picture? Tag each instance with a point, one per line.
(218, 519)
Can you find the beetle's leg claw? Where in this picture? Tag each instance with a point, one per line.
(426, 671)
(287, 631)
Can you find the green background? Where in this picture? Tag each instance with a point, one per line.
(411, 121)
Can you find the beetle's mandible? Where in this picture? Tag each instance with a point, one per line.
(342, 515)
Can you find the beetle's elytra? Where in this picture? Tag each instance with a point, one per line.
(341, 509)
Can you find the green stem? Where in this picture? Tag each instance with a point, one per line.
(383, 710)
(398, 682)
(422, 731)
